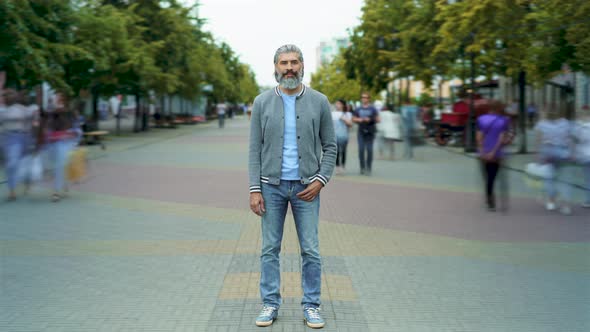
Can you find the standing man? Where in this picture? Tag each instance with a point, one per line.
(291, 158)
(367, 117)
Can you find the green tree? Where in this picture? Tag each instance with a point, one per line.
(369, 56)
(560, 37)
(36, 41)
(249, 89)
(332, 81)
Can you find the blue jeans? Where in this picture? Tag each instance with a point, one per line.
(341, 143)
(306, 215)
(556, 156)
(60, 151)
(366, 151)
(15, 145)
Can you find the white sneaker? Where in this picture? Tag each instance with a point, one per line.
(565, 210)
(550, 206)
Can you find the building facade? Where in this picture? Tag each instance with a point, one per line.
(328, 50)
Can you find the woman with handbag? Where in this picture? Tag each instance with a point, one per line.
(555, 144)
(492, 136)
(61, 138)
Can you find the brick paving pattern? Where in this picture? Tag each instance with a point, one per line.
(159, 237)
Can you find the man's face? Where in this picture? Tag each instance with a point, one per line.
(289, 70)
(365, 99)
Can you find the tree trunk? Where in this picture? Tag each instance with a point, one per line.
(137, 113)
(118, 118)
(522, 111)
(95, 115)
(440, 91)
(145, 118)
(400, 95)
(470, 130)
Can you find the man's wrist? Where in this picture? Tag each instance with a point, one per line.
(319, 181)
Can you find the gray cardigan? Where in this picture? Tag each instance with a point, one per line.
(316, 141)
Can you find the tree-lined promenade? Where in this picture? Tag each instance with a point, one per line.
(106, 47)
(437, 40)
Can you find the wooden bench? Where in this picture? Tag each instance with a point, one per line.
(95, 137)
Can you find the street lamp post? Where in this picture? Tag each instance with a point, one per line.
(470, 130)
(522, 111)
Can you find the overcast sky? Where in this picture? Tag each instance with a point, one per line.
(256, 28)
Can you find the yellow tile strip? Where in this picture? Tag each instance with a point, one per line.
(239, 286)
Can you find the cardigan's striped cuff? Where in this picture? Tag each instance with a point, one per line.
(255, 189)
(321, 178)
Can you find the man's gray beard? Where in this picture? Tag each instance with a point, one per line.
(290, 82)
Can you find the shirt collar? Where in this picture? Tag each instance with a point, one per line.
(279, 93)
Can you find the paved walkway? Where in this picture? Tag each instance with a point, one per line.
(159, 237)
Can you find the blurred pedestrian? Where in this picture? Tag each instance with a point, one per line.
(342, 123)
(291, 158)
(581, 134)
(511, 110)
(389, 131)
(33, 167)
(221, 110)
(492, 131)
(409, 113)
(555, 146)
(16, 123)
(531, 112)
(367, 118)
(62, 138)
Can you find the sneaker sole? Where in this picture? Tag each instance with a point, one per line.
(314, 325)
(264, 324)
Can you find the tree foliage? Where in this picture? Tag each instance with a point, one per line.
(113, 46)
(36, 40)
(334, 83)
(437, 39)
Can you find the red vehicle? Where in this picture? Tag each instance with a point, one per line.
(453, 125)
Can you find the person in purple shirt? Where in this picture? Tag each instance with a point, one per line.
(492, 135)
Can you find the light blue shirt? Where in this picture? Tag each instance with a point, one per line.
(290, 161)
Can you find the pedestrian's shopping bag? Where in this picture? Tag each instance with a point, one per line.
(24, 169)
(542, 171)
(76, 168)
(36, 168)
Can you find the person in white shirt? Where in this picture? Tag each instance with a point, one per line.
(389, 130)
(16, 121)
(555, 146)
(221, 110)
(342, 123)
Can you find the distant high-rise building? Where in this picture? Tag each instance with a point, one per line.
(328, 50)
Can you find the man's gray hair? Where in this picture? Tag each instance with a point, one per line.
(289, 48)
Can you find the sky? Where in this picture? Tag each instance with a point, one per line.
(254, 29)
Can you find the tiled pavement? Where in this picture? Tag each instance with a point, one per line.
(159, 238)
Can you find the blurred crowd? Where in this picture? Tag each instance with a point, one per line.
(35, 141)
(562, 145)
